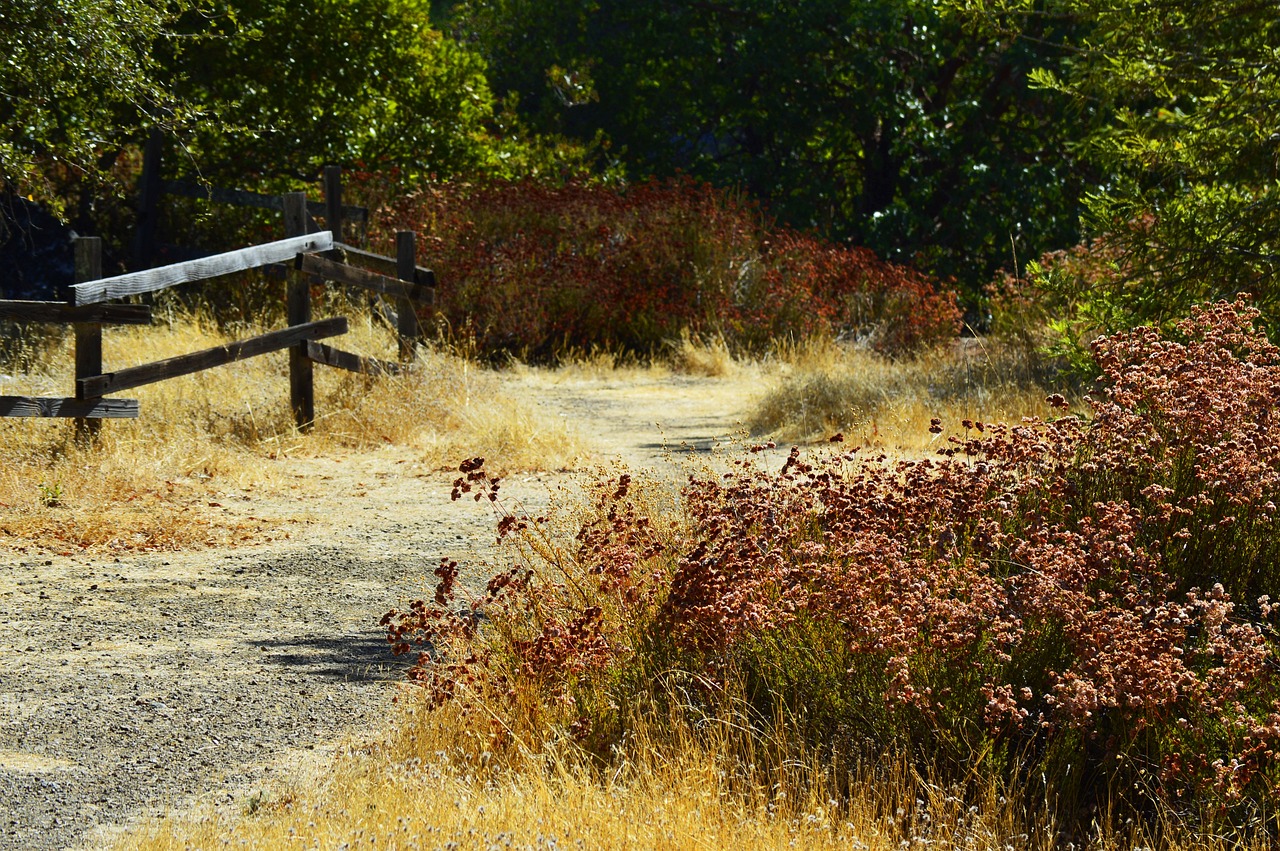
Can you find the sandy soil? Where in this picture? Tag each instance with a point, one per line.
(138, 684)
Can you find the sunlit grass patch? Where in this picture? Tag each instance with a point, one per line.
(822, 388)
(709, 356)
(147, 483)
(434, 782)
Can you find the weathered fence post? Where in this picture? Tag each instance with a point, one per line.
(406, 313)
(88, 262)
(302, 397)
(333, 201)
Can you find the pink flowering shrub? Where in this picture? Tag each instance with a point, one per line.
(1087, 599)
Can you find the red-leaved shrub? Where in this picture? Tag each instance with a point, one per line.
(538, 270)
(1085, 599)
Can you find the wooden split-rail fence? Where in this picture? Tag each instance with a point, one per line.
(308, 256)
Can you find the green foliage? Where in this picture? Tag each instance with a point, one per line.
(50, 495)
(77, 80)
(1065, 299)
(280, 89)
(889, 124)
(1191, 93)
(298, 85)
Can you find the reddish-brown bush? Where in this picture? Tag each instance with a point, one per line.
(1090, 599)
(811, 285)
(537, 270)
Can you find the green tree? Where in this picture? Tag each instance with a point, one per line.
(300, 84)
(1191, 96)
(890, 123)
(77, 81)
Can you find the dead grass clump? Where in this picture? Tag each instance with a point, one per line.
(825, 388)
(709, 357)
(436, 782)
(126, 495)
(446, 407)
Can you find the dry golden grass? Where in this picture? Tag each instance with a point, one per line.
(700, 357)
(822, 388)
(433, 784)
(596, 365)
(705, 357)
(809, 391)
(147, 483)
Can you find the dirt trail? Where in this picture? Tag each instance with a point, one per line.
(648, 420)
(132, 684)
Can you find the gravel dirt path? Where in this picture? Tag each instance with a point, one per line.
(137, 684)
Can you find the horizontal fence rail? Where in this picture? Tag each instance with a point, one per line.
(33, 406)
(329, 356)
(163, 277)
(242, 198)
(150, 373)
(356, 277)
(59, 312)
(377, 263)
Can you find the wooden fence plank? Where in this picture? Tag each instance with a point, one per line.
(243, 198)
(333, 201)
(329, 356)
(59, 312)
(385, 266)
(136, 283)
(407, 328)
(150, 188)
(357, 277)
(302, 390)
(88, 353)
(136, 376)
(36, 406)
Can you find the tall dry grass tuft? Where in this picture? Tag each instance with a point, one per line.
(825, 387)
(147, 483)
(709, 357)
(436, 782)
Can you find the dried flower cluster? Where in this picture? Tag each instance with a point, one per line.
(539, 270)
(1088, 597)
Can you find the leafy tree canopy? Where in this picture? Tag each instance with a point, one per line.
(302, 83)
(891, 123)
(1191, 93)
(77, 78)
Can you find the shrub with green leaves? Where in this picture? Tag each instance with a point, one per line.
(79, 79)
(1189, 94)
(296, 86)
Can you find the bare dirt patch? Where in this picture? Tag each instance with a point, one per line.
(135, 682)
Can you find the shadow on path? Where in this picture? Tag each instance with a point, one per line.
(348, 658)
